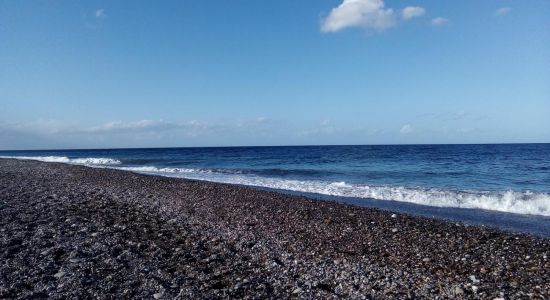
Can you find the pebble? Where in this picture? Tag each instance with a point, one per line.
(192, 239)
(59, 274)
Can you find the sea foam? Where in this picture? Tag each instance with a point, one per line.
(64, 159)
(160, 171)
(504, 201)
(525, 202)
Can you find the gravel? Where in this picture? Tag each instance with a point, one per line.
(77, 232)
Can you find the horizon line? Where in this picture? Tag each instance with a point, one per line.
(260, 146)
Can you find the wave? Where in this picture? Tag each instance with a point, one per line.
(155, 170)
(77, 161)
(531, 203)
(287, 172)
(504, 201)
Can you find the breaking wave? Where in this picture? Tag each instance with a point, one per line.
(89, 161)
(504, 201)
(160, 171)
(525, 202)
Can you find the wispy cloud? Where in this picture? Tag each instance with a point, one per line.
(40, 126)
(439, 21)
(502, 11)
(328, 128)
(455, 116)
(191, 128)
(57, 133)
(135, 126)
(406, 129)
(325, 127)
(100, 13)
(410, 12)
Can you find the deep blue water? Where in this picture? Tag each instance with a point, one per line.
(509, 181)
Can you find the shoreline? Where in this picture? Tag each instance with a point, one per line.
(535, 225)
(105, 233)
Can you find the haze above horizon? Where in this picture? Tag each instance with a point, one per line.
(102, 74)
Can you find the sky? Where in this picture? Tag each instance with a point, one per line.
(117, 74)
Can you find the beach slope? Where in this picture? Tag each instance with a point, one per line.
(77, 232)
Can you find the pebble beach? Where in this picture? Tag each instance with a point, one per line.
(78, 232)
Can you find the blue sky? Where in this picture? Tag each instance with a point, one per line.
(93, 74)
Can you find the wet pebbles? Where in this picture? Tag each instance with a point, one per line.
(77, 232)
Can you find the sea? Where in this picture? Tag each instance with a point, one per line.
(495, 185)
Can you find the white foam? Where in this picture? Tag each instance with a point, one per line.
(63, 159)
(95, 161)
(160, 171)
(505, 201)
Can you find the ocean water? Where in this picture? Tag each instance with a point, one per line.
(505, 185)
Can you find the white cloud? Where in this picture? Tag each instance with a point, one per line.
(460, 115)
(407, 128)
(439, 21)
(502, 11)
(410, 12)
(139, 133)
(368, 14)
(118, 128)
(327, 128)
(100, 13)
(40, 126)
